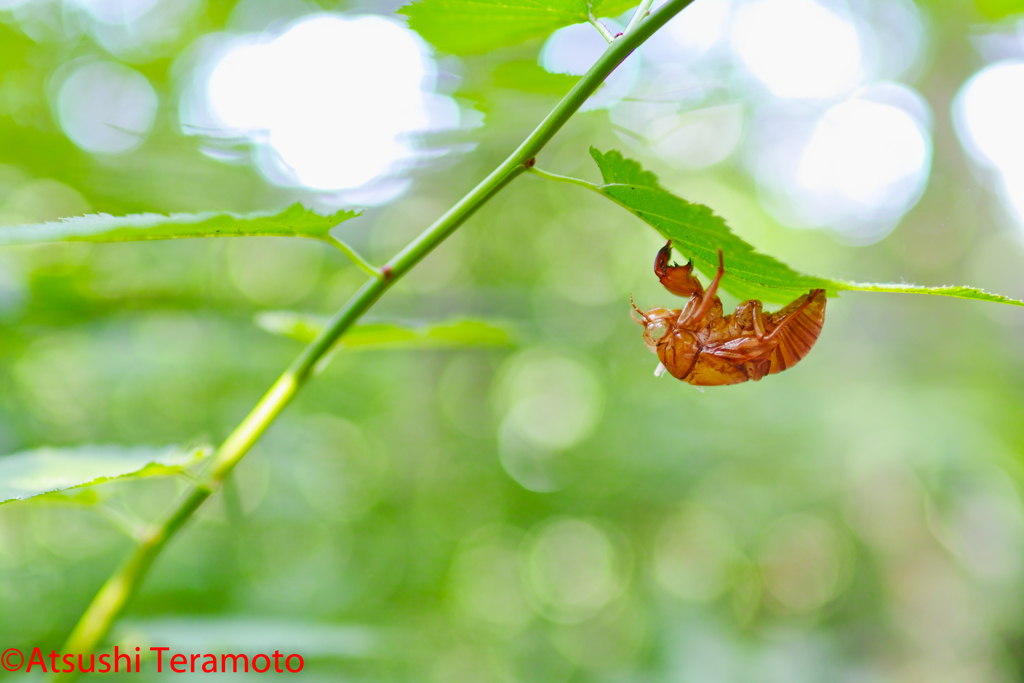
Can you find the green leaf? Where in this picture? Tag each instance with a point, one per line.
(958, 292)
(529, 77)
(457, 333)
(697, 233)
(618, 170)
(473, 26)
(45, 470)
(295, 221)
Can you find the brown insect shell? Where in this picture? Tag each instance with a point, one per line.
(657, 322)
(716, 349)
(675, 346)
(678, 352)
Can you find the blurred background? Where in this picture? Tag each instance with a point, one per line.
(552, 512)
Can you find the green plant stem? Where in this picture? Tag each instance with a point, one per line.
(638, 15)
(115, 594)
(351, 253)
(605, 33)
(569, 180)
(593, 187)
(564, 179)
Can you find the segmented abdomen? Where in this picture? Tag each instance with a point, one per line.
(802, 321)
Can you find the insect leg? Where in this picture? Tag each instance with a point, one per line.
(709, 295)
(694, 302)
(759, 321)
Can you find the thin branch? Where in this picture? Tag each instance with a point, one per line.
(111, 600)
(363, 264)
(564, 179)
(130, 528)
(639, 15)
(605, 33)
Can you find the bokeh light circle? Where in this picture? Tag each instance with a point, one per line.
(116, 11)
(988, 112)
(335, 102)
(701, 26)
(798, 48)
(862, 149)
(855, 168)
(107, 108)
(573, 568)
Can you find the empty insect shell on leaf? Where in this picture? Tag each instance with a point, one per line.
(700, 345)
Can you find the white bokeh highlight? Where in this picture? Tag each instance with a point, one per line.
(861, 149)
(801, 91)
(106, 108)
(988, 113)
(893, 39)
(798, 48)
(136, 31)
(116, 11)
(855, 169)
(703, 25)
(333, 103)
(665, 112)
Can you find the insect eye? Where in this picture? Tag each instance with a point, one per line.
(657, 330)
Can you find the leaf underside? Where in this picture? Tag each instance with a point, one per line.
(458, 333)
(529, 77)
(295, 221)
(46, 470)
(697, 233)
(473, 26)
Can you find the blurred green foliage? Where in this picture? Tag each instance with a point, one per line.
(550, 512)
(999, 9)
(464, 27)
(380, 336)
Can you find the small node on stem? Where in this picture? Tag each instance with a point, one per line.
(529, 163)
(386, 271)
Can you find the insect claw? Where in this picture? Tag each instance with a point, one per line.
(660, 370)
(700, 389)
(677, 279)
